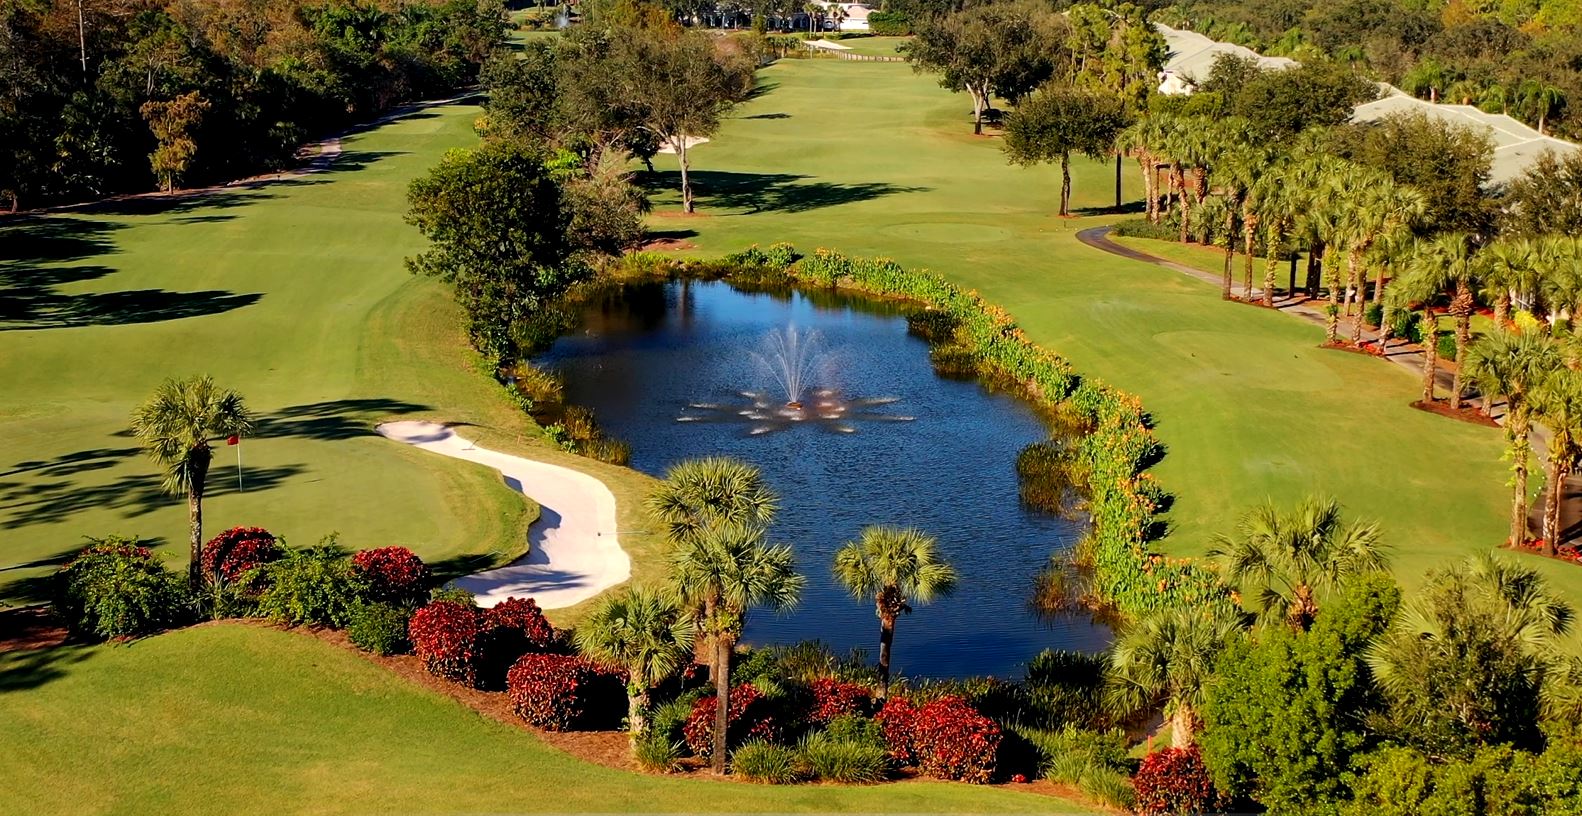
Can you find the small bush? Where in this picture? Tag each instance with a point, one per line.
(898, 722)
(776, 257)
(760, 761)
(835, 760)
(445, 635)
(953, 741)
(512, 628)
(316, 585)
(1447, 346)
(563, 693)
(451, 592)
(379, 628)
(1066, 688)
(835, 698)
(579, 423)
(605, 449)
(749, 717)
(1174, 781)
(117, 588)
(933, 326)
(855, 728)
(1070, 754)
(392, 575)
(1373, 314)
(1406, 325)
(655, 754)
(1111, 788)
(1143, 228)
(238, 550)
(668, 719)
(954, 361)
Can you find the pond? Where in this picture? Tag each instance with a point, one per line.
(688, 369)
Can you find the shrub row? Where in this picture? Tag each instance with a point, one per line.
(463, 644)
(1112, 455)
(563, 692)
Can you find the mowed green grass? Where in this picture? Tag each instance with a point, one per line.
(238, 719)
(872, 159)
(292, 293)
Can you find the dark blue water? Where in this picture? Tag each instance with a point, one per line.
(646, 353)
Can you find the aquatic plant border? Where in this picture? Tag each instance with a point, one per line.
(1129, 575)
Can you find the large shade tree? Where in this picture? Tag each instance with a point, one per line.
(177, 426)
(729, 569)
(1287, 561)
(1060, 120)
(994, 49)
(897, 568)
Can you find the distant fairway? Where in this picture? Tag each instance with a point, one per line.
(872, 159)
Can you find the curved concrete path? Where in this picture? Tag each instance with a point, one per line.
(574, 552)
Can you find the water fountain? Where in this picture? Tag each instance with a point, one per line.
(797, 362)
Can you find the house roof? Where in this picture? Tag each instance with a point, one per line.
(1192, 55)
(1516, 146)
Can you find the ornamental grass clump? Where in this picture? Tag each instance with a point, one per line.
(830, 759)
(761, 761)
(445, 634)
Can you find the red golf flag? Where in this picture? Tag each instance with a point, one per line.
(233, 439)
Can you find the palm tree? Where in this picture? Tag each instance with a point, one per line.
(814, 11)
(176, 426)
(1237, 166)
(1425, 279)
(1291, 558)
(699, 492)
(1558, 258)
(1509, 266)
(1169, 657)
(643, 631)
(1278, 206)
(1513, 364)
(1558, 401)
(727, 569)
(897, 568)
(1453, 263)
(1539, 101)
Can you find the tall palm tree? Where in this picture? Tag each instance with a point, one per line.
(1139, 140)
(1513, 364)
(1426, 279)
(1237, 165)
(728, 569)
(897, 568)
(1509, 267)
(1288, 559)
(176, 426)
(1558, 401)
(645, 632)
(1455, 265)
(1278, 206)
(1169, 657)
(698, 492)
(1558, 262)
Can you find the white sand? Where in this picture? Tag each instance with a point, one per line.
(827, 45)
(665, 145)
(575, 551)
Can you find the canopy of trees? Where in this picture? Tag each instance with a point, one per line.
(108, 96)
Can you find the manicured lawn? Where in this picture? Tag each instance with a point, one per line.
(237, 719)
(295, 295)
(877, 46)
(872, 159)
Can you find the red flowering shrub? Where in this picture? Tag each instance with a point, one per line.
(1174, 781)
(394, 575)
(512, 628)
(238, 550)
(561, 692)
(445, 635)
(898, 720)
(834, 698)
(953, 741)
(749, 717)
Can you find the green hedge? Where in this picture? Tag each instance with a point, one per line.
(1129, 574)
(889, 24)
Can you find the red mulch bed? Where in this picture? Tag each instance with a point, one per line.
(1442, 408)
(1346, 345)
(28, 628)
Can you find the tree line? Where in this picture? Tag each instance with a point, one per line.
(100, 97)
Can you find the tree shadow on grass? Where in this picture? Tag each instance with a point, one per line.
(1128, 208)
(37, 256)
(774, 192)
(332, 420)
(24, 670)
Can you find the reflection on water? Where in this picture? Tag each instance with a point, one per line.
(670, 369)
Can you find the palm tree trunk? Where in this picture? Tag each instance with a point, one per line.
(886, 637)
(1359, 281)
(1269, 265)
(637, 703)
(1247, 234)
(1554, 495)
(1183, 722)
(1230, 257)
(1332, 313)
(198, 475)
(1315, 268)
(1179, 179)
(1430, 353)
(1516, 427)
(1461, 307)
(722, 694)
